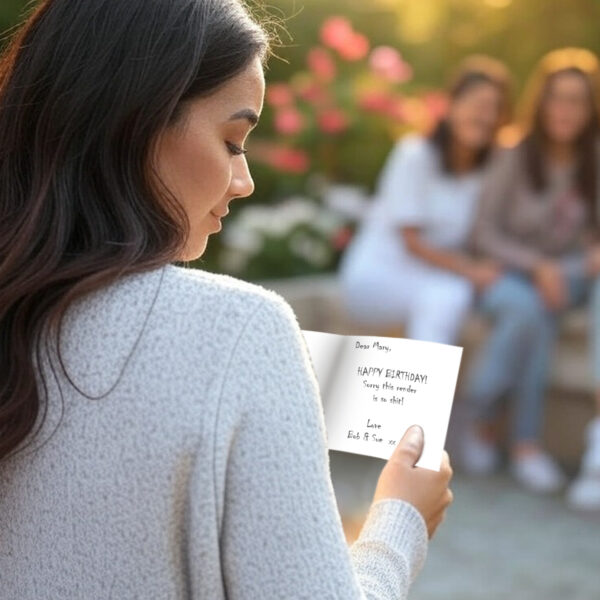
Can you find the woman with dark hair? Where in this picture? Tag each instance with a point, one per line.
(161, 432)
(538, 219)
(409, 261)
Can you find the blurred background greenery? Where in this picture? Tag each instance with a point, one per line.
(294, 154)
(432, 34)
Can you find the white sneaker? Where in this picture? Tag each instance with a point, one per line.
(478, 456)
(538, 473)
(584, 492)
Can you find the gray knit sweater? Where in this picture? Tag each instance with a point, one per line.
(198, 469)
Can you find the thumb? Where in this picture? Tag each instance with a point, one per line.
(410, 446)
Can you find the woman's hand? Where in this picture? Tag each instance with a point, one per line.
(425, 489)
(551, 284)
(484, 273)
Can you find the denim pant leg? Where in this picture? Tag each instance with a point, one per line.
(531, 386)
(527, 413)
(517, 348)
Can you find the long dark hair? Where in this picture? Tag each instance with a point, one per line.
(86, 87)
(473, 71)
(584, 64)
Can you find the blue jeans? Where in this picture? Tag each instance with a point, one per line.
(516, 356)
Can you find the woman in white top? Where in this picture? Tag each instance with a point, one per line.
(161, 430)
(409, 260)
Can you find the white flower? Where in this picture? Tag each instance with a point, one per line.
(242, 238)
(255, 217)
(310, 248)
(327, 222)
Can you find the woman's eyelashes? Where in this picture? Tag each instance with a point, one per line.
(234, 149)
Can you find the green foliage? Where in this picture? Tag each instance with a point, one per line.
(518, 33)
(11, 12)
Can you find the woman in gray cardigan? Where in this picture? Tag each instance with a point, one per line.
(161, 432)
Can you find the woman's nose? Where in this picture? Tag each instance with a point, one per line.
(242, 184)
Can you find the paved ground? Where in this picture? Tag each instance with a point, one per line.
(497, 543)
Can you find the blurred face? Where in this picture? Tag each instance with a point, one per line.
(201, 159)
(566, 108)
(474, 115)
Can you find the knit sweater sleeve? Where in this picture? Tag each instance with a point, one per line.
(281, 532)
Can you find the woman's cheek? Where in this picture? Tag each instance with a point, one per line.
(222, 178)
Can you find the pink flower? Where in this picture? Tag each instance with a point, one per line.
(376, 101)
(383, 103)
(396, 109)
(321, 64)
(354, 48)
(313, 93)
(333, 120)
(279, 94)
(289, 121)
(386, 62)
(336, 32)
(290, 160)
(341, 238)
(280, 157)
(383, 58)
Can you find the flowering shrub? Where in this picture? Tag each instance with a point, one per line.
(296, 236)
(348, 94)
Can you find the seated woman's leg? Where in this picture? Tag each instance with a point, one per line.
(511, 304)
(531, 385)
(438, 305)
(491, 373)
(516, 358)
(531, 466)
(531, 379)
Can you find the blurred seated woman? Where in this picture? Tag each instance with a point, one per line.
(409, 262)
(538, 219)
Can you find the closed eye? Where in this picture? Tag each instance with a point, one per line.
(234, 149)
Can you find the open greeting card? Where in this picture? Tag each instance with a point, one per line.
(373, 388)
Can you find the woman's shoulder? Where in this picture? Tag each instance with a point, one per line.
(415, 146)
(184, 302)
(177, 310)
(203, 297)
(178, 290)
(242, 321)
(505, 159)
(411, 153)
(512, 152)
(195, 289)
